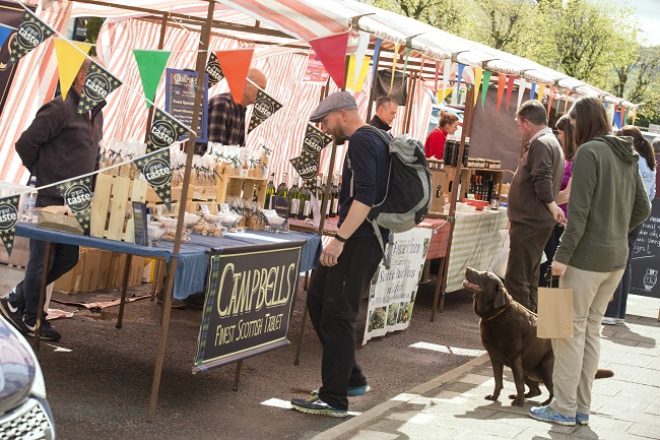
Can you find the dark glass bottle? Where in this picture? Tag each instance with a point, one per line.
(270, 191)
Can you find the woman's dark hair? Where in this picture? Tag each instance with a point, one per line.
(564, 124)
(590, 119)
(446, 119)
(642, 146)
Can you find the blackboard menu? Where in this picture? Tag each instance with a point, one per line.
(646, 256)
(180, 90)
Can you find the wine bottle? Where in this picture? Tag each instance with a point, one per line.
(294, 198)
(282, 190)
(270, 191)
(305, 202)
(334, 196)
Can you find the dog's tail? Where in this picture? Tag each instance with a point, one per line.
(604, 374)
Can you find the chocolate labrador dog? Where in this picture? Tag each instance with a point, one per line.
(508, 333)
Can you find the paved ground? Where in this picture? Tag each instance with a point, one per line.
(452, 406)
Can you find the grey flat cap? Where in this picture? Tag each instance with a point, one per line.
(334, 102)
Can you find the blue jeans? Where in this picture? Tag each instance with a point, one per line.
(617, 307)
(63, 258)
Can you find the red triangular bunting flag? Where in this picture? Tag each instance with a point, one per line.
(235, 65)
(332, 53)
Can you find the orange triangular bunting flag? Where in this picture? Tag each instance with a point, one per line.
(332, 53)
(235, 65)
(501, 83)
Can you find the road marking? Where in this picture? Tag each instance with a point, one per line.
(285, 404)
(447, 349)
(60, 349)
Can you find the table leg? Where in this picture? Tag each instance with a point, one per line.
(124, 288)
(42, 296)
(237, 376)
(303, 325)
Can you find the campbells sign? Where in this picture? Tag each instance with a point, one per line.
(249, 300)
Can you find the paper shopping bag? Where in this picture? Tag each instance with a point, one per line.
(555, 313)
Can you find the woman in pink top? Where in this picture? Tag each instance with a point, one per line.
(565, 136)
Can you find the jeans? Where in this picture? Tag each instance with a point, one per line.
(63, 258)
(617, 307)
(524, 265)
(550, 250)
(333, 302)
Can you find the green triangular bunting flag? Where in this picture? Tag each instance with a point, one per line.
(484, 86)
(8, 219)
(151, 64)
(77, 195)
(158, 173)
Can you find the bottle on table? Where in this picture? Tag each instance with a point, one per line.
(334, 197)
(270, 192)
(294, 198)
(305, 202)
(282, 189)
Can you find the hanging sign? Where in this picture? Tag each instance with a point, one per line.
(164, 131)
(180, 91)
(315, 140)
(31, 33)
(315, 72)
(214, 70)
(158, 173)
(307, 166)
(249, 302)
(264, 107)
(98, 85)
(8, 219)
(77, 195)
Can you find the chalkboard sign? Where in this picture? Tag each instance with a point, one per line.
(646, 256)
(180, 90)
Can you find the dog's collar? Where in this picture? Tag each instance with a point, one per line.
(499, 312)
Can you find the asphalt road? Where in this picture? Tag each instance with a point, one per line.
(99, 378)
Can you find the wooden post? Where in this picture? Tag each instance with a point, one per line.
(124, 288)
(190, 149)
(411, 95)
(442, 283)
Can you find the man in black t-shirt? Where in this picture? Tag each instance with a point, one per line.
(350, 260)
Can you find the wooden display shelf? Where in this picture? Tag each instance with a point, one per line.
(243, 187)
(112, 210)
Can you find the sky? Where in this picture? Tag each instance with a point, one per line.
(648, 17)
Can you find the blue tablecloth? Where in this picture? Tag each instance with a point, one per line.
(194, 256)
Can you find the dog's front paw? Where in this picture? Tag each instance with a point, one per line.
(518, 401)
(492, 397)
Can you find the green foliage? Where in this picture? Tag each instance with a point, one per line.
(592, 40)
(92, 32)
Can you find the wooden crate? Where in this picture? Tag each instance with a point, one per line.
(243, 187)
(112, 208)
(467, 174)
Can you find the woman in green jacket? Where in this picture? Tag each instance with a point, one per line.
(608, 199)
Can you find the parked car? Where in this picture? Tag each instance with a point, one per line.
(435, 117)
(24, 410)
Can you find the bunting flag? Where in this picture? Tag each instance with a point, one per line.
(437, 75)
(509, 90)
(478, 73)
(332, 53)
(164, 131)
(541, 93)
(485, 84)
(522, 87)
(307, 166)
(8, 219)
(315, 140)
(634, 116)
(31, 33)
(235, 64)
(394, 61)
(359, 56)
(625, 117)
(446, 73)
(551, 98)
(459, 78)
(376, 57)
(442, 94)
(559, 92)
(158, 173)
(151, 65)
(532, 91)
(264, 107)
(566, 102)
(77, 195)
(69, 60)
(98, 85)
(214, 70)
(5, 32)
(501, 81)
(356, 83)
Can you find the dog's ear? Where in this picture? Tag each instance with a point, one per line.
(500, 298)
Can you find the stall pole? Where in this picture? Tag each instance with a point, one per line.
(124, 288)
(408, 115)
(441, 283)
(161, 45)
(42, 296)
(372, 93)
(190, 149)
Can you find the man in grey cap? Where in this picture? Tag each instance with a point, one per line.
(350, 260)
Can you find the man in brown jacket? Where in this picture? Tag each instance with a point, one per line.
(532, 210)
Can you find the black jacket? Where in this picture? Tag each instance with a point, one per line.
(378, 123)
(61, 144)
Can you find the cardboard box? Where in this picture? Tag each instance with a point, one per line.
(59, 218)
(104, 270)
(71, 282)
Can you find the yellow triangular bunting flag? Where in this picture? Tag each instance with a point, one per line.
(69, 61)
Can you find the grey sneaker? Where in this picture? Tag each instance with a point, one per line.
(13, 314)
(352, 391)
(314, 405)
(48, 333)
